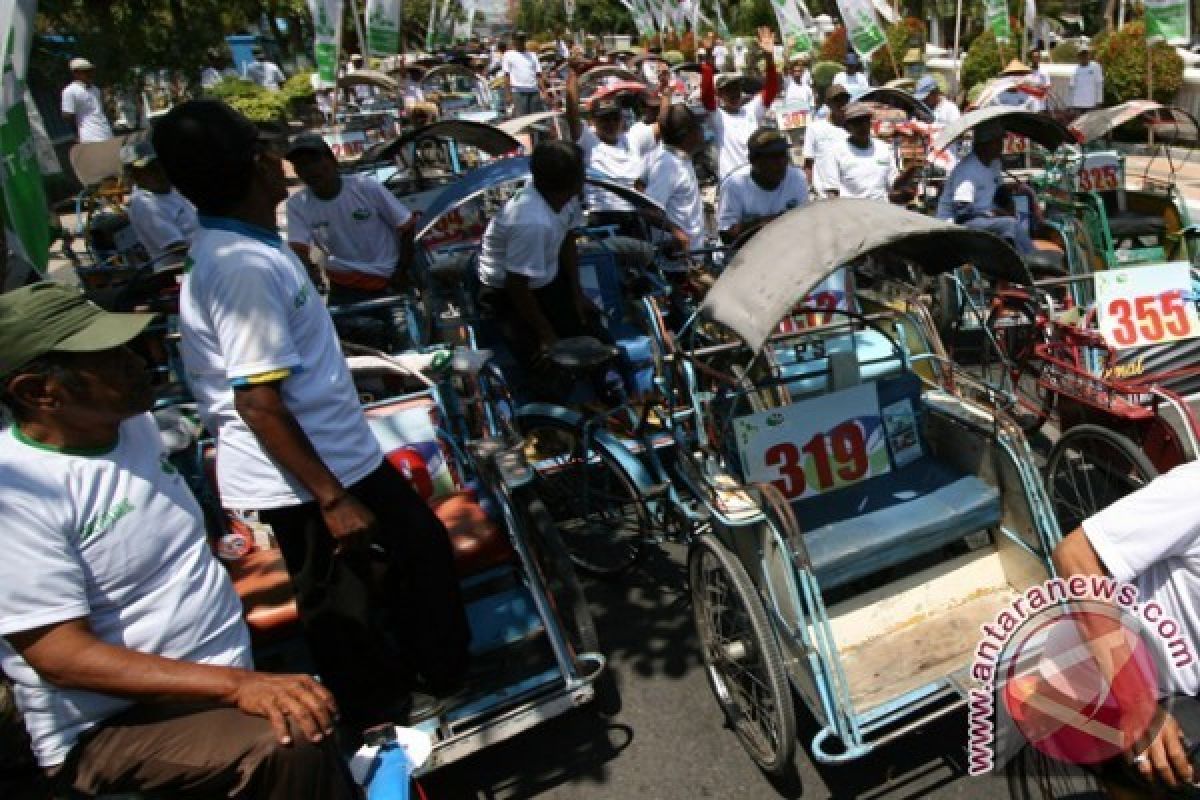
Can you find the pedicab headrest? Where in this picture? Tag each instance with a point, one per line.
(770, 274)
(581, 352)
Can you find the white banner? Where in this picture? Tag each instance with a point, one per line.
(793, 27)
(862, 28)
(25, 217)
(327, 37)
(383, 27)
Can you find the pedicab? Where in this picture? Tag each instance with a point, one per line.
(460, 93)
(867, 513)
(532, 129)
(534, 648)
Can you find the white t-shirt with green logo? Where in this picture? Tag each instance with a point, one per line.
(248, 312)
(357, 229)
(115, 538)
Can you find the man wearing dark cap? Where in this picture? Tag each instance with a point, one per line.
(122, 634)
(825, 131)
(863, 166)
(361, 227)
(853, 78)
(972, 194)
(294, 451)
(731, 121)
(772, 186)
(163, 219)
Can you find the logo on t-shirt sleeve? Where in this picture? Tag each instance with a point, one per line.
(361, 214)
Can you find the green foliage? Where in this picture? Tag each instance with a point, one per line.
(909, 32)
(229, 88)
(298, 88)
(1064, 53)
(673, 57)
(823, 73)
(985, 58)
(834, 46)
(265, 108)
(1123, 56)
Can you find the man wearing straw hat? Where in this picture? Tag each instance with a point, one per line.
(1015, 95)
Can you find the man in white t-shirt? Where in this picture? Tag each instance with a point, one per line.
(670, 178)
(1150, 538)
(83, 104)
(122, 634)
(731, 121)
(751, 198)
(608, 152)
(1087, 83)
(163, 219)
(929, 93)
(1039, 80)
(294, 451)
(720, 55)
(969, 196)
(853, 77)
(526, 84)
(825, 131)
(364, 231)
(266, 74)
(863, 166)
(797, 86)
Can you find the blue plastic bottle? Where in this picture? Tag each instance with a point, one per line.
(390, 776)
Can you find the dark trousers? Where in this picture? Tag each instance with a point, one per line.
(383, 619)
(527, 102)
(194, 752)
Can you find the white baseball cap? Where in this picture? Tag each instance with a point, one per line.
(80, 63)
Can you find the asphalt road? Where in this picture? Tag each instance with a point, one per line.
(661, 736)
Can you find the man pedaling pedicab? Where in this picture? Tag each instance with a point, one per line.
(863, 166)
(364, 231)
(1150, 538)
(529, 267)
(294, 451)
(121, 632)
(751, 198)
(973, 194)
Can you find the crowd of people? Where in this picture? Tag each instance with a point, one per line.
(122, 633)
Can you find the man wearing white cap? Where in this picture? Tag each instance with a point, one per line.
(163, 219)
(83, 105)
(929, 93)
(1087, 83)
(970, 196)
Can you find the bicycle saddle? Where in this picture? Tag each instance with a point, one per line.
(581, 353)
(1046, 263)
(451, 267)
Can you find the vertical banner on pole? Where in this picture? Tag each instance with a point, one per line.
(25, 217)
(862, 27)
(722, 28)
(996, 13)
(1168, 21)
(793, 27)
(327, 27)
(383, 27)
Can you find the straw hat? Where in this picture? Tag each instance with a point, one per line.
(1015, 67)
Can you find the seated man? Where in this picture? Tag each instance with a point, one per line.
(972, 195)
(863, 166)
(121, 632)
(163, 219)
(771, 187)
(529, 265)
(362, 228)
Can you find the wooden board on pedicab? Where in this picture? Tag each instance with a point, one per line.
(1146, 305)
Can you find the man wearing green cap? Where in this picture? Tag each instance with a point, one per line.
(122, 634)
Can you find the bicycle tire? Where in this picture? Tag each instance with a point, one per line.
(772, 749)
(595, 504)
(1034, 403)
(1102, 450)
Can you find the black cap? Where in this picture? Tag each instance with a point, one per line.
(767, 141)
(605, 106)
(207, 150)
(310, 143)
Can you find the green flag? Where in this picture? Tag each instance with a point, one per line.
(25, 218)
(996, 13)
(793, 27)
(383, 27)
(1168, 20)
(327, 30)
(862, 26)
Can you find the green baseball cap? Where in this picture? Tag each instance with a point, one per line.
(50, 317)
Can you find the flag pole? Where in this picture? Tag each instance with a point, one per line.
(358, 27)
(957, 48)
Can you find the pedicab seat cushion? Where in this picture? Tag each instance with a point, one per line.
(1125, 224)
(1046, 263)
(884, 521)
(479, 544)
(262, 582)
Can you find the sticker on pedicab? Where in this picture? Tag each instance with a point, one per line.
(792, 116)
(410, 443)
(346, 144)
(816, 446)
(903, 434)
(1146, 305)
(826, 297)
(1099, 172)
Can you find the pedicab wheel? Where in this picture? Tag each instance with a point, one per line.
(558, 576)
(1091, 467)
(593, 501)
(1033, 775)
(741, 657)
(1017, 332)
